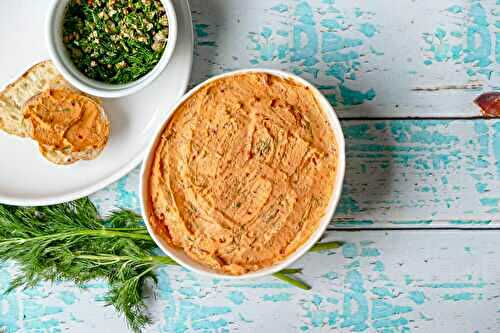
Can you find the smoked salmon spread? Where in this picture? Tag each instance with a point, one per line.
(243, 172)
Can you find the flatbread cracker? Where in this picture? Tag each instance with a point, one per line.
(11, 118)
(54, 118)
(38, 78)
(15, 96)
(66, 156)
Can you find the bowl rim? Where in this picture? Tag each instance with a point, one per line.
(97, 88)
(325, 220)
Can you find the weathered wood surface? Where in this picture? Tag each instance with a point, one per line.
(379, 58)
(407, 173)
(404, 173)
(396, 281)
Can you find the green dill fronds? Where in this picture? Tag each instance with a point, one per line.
(68, 242)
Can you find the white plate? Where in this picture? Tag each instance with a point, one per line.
(26, 178)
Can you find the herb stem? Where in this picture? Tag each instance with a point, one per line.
(292, 281)
(110, 259)
(62, 235)
(291, 271)
(163, 260)
(141, 230)
(112, 233)
(325, 246)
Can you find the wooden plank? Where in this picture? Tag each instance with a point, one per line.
(403, 174)
(406, 173)
(377, 58)
(396, 281)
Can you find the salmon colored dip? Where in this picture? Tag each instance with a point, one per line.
(243, 172)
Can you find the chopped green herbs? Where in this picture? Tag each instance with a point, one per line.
(115, 41)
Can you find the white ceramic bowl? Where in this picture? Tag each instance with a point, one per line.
(178, 254)
(62, 61)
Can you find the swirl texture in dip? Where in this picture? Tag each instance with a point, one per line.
(243, 172)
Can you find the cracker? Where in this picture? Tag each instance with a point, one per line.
(38, 78)
(61, 150)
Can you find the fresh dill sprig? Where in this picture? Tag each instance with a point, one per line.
(69, 242)
(324, 246)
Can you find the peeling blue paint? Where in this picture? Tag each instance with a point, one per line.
(201, 30)
(353, 264)
(281, 297)
(280, 8)
(370, 252)
(465, 296)
(388, 323)
(344, 52)
(38, 316)
(209, 324)
(347, 205)
(356, 320)
(383, 292)
(408, 280)
(368, 29)
(127, 197)
(491, 202)
(303, 45)
(237, 297)
(379, 266)
(417, 222)
(243, 319)
(481, 187)
(382, 309)
(355, 97)
(9, 312)
(469, 222)
(456, 9)
(68, 297)
(496, 147)
(331, 276)
(454, 285)
(349, 250)
(470, 45)
(418, 297)
(188, 292)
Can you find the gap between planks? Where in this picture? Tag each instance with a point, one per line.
(494, 226)
(374, 118)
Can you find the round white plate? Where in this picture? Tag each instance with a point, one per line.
(26, 178)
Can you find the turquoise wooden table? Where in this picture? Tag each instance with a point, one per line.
(420, 212)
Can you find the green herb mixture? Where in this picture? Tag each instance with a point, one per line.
(115, 41)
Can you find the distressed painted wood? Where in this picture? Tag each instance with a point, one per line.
(404, 174)
(378, 58)
(407, 173)
(397, 281)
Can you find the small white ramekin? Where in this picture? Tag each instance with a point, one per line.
(178, 254)
(64, 64)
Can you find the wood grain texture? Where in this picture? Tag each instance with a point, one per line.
(431, 59)
(428, 173)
